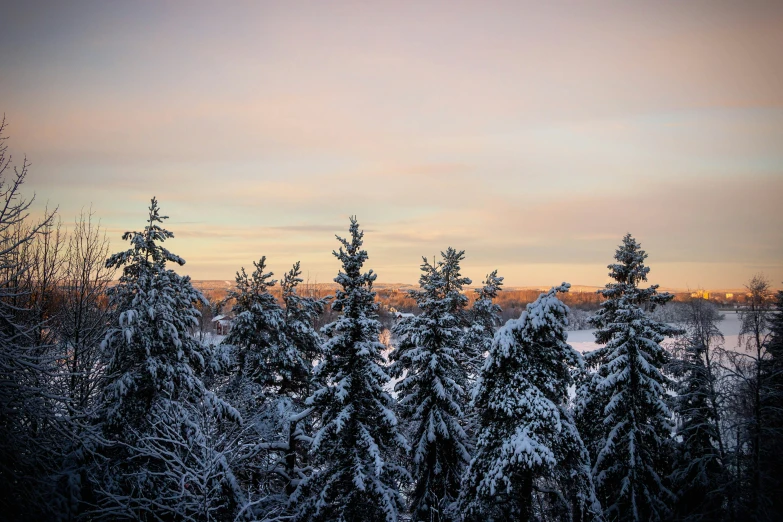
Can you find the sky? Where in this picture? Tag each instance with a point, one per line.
(533, 135)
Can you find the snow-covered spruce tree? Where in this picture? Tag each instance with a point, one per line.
(265, 362)
(300, 315)
(433, 389)
(453, 284)
(274, 349)
(699, 475)
(484, 320)
(262, 364)
(529, 462)
(153, 379)
(622, 409)
(356, 477)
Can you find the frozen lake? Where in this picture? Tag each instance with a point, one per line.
(584, 340)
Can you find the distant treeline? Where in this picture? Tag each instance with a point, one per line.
(512, 301)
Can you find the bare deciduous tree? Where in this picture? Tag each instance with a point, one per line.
(83, 320)
(754, 337)
(25, 402)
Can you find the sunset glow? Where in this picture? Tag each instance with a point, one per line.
(531, 135)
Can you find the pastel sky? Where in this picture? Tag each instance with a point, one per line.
(533, 135)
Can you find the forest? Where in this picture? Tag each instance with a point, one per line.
(115, 407)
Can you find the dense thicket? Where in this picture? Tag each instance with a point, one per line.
(119, 401)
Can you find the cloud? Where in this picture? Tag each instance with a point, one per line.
(530, 135)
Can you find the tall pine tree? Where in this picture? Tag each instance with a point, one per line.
(357, 476)
(265, 363)
(300, 315)
(433, 387)
(484, 320)
(274, 348)
(153, 380)
(622, 404)
(529, 463)
(453, 284)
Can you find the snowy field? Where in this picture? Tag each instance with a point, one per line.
(584, 340)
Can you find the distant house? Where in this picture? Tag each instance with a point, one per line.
(403, 315)
(222, 324)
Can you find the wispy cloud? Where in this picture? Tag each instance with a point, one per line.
(532, 135)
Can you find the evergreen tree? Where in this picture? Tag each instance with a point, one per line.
(154, 377)
(263, 364)
(699, 476)
(357, 477)
(274, 350)
(432, 390)
(484, 319)
(453, 284)
(529, 463)
(622, 404)
(265, 361)
(300, 315)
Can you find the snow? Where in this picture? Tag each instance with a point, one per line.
(584, 340)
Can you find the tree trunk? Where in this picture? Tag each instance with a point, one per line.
(526, 497)
(290, 459)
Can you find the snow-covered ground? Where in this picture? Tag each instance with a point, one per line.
(584, 340)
